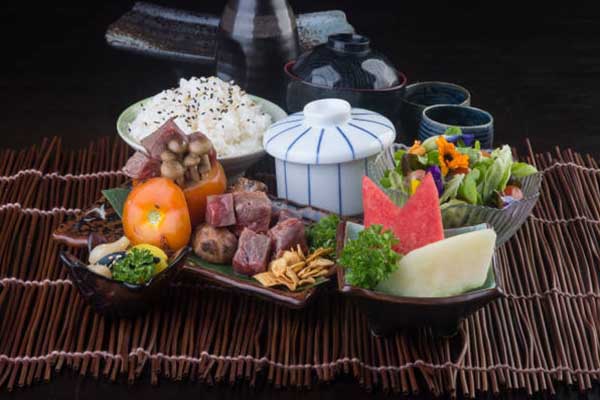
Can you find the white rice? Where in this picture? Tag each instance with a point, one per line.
(222, 111)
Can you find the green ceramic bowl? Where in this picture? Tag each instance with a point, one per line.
(234, 166)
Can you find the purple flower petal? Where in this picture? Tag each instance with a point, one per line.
(467, 138)
(436, 174)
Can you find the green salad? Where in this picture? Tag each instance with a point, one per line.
(462, 171)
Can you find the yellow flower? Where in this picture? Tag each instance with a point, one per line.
(450, 159)
(417, 149)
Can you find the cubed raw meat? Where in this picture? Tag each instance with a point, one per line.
(220, 211)
(252, 211)
(157, 142)
(286, 235)
(253, 253)
(140, 166)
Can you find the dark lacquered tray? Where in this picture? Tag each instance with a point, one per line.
(102, 222)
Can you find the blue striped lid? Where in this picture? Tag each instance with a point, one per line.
(329, 131)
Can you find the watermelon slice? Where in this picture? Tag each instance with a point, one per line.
(416, 224)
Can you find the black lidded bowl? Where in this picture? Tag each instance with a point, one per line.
(346, 68)
(388, 314)
(120, 299)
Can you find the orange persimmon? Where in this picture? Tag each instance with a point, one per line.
(214, 182)
(156, 212)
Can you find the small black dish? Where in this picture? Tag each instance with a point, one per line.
(120, 299)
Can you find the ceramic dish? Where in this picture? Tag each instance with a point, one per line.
(120, 299)
(505, 221)
(328, 145)
(102, 224)
(234, 166)
(387, 314)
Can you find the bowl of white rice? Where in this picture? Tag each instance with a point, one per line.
(232, 119)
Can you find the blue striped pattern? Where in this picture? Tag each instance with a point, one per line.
(339, 168)
(296, 141)
(285, 122)
(319, 144)
(374, 122)
(363, 113)
(285, 178)
(368, 132)
(348, 141)
(309, 188)
(280, 133)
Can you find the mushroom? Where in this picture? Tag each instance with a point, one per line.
(204, 166)
(191, 162)
(200, 146)
(168, 156)
(177, 147)
(173, 169)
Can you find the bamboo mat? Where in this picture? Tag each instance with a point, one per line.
(545, 330)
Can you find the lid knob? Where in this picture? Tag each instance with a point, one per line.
(348, 43)
(327, 112)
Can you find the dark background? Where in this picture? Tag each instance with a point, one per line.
(536, 70)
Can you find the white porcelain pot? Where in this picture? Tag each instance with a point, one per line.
(322, 153)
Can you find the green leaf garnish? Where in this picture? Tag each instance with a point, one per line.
(116, 197)
(323, 233)
(137, 267)
(369, 258)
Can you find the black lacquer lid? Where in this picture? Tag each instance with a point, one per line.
(346, 61)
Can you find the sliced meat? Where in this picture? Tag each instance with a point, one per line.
(219, 210)
(248, 185)
(253, 253)
(140, 166)
(215, 245)
(286, 235)
(252, 211)
(157, 142)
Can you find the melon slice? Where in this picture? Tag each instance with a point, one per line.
(416, 224)
(445, 268)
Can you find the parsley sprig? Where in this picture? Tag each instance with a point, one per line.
(136, 267)
(369, 258)
(323, 233)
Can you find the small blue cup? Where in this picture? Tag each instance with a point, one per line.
(479, 123)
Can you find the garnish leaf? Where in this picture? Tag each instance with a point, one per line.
(451, 188)
(323, 233)
(468, 189)
(369, 258)
(520, 170)
(116, 197)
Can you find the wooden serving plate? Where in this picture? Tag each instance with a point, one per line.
(101, 221)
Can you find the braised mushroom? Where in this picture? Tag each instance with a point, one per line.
(168, 156)
(200, 146)
(173, 169)
(190, 162)
(177, 147)
(204, 165)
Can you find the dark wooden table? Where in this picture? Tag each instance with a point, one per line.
(537, 71)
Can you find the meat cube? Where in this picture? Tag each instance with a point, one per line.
(248, 185)
(140, 166)
(286, 235)
(219, 210)
(252, 211)
(157, 142)
(284, 214)
(253, 253)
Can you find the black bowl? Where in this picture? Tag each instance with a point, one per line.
(384, 101)
(120, 299)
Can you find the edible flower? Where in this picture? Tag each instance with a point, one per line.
(436, 174)
(467, 139)
(417, 149)
(450, 159)
(414, 184)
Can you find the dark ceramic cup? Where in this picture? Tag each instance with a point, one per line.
(420, 95)
(436, 119)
